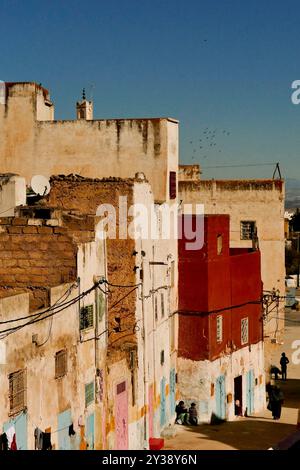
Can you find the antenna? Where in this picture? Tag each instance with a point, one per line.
(40, 185)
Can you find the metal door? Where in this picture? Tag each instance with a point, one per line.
(220, 397)
(250, 391)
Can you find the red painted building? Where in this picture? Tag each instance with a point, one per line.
(220, 311)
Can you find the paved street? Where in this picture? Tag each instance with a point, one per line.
(260, 431)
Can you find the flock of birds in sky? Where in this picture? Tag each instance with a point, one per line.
(208, 143)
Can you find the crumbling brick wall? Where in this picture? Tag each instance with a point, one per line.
(34, 258)
(84, 195)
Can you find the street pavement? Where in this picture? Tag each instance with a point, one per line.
(260, 431)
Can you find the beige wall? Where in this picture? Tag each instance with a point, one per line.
(258, 200)
(30, 144)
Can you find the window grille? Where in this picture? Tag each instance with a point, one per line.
(17, 391)
(60, 363)
(89, 393)
(244, 331)
(219, 329)
(86, 317)
(248, 229)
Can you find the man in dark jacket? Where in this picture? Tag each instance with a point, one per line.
(284, 362)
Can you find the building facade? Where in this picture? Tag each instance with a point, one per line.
(220, 337)
(256, 209)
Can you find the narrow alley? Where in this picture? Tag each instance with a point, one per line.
(258, 432)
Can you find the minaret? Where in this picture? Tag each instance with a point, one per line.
(84, 108)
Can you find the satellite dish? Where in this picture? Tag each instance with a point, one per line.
(40, 185)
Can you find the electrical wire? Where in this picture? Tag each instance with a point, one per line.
(60, 307)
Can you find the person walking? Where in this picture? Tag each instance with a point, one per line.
(284, 362)
(275, 401)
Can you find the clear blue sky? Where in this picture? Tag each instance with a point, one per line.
(223, 65)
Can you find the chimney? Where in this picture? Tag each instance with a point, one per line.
(84, 108)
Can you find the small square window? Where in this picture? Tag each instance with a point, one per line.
(248, 229)
(86, 317)
(60, 363)
(244, 331)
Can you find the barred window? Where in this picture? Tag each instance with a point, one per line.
(248, 229)
(87, 317)
(60, 363)
(17, 391)
(219, 329)
(244, 331)
(89, 393)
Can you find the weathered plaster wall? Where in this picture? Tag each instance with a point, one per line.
(197, 381)
(29, 145)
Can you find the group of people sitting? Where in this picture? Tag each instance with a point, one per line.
(185, 416)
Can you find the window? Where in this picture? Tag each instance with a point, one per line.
(244, 331)
(17, 391)
(86, 317)
(219, 244)
(248, 230)
(155, 307)
(219, 329)
(162, 301)
(172, 184)
(89, 393)
(162, 357)
(60, 363)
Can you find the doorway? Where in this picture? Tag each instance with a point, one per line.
(238, 395)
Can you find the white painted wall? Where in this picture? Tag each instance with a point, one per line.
(195, 379)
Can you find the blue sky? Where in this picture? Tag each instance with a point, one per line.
(224, 68)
